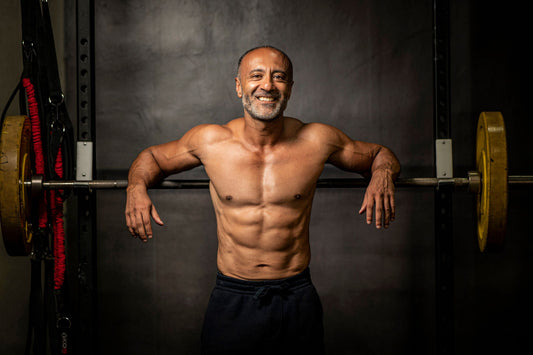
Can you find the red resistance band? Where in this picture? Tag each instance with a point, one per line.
(56, 201)
(56, 205)
(37, 143)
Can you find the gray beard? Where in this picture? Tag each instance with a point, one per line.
(256, 113)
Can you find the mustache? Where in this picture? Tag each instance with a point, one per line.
(273, 94)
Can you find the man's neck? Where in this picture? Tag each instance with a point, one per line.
(263, 133)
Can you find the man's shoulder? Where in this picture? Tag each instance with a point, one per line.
(209, 133)
(317, 131)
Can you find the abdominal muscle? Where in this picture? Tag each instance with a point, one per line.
(262, 242)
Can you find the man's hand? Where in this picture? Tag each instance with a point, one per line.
(139, 208)
(379, 194)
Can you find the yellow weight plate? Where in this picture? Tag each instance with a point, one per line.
(15, 168)
(491, 161)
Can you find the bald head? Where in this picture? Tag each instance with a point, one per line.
(264, 83)
(285, 56)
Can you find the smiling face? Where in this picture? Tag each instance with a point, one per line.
(264, 84)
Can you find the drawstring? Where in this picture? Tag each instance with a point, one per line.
(263, 291)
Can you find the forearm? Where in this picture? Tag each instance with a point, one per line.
(379, 195)
(386, 161)
(144, 171)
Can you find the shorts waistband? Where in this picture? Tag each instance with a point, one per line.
(252, 287)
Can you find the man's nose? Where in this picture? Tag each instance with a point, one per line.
(267, 84)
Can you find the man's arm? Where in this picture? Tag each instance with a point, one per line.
(373, 161)
(151, 166)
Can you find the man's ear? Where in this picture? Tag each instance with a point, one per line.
(238, 87)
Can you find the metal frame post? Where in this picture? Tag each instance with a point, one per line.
(444, 273)
(85, 341)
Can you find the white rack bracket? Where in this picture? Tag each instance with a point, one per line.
(84, 161)
(444, 158)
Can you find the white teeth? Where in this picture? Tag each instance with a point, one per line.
(270, 99)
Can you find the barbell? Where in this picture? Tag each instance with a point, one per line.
(490, 182)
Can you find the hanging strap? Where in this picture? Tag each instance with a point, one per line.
(17, 90)
(60, 148)
(36, 336)
(50, 59)
(52, 135)
(57, 119)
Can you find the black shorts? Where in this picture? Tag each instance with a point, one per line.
(264, 317)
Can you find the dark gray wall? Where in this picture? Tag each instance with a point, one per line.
(366, 67)
(165, 66)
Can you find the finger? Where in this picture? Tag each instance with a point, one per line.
(135, 225)
(392, 208)
(147, 227)
(387, 212)
(129, 224)
(363, 206)
(156, 217)
(139, 226)
(379, 211)
(369, 211)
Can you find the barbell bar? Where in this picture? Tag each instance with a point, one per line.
(18, 187)
(472, 183)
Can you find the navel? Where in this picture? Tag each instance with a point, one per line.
(297, 196)
(229, 197)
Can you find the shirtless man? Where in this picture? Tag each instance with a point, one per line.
(263, 169)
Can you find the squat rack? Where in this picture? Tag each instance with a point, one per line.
(86, 307)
